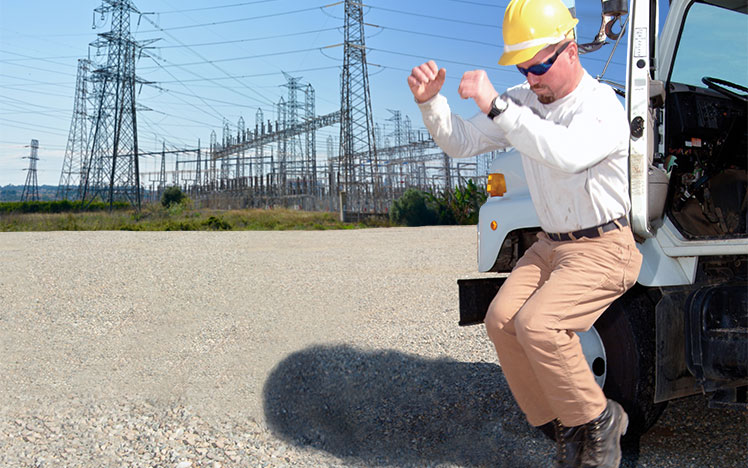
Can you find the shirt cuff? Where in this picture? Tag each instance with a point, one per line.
(431, 104)
(507, 119)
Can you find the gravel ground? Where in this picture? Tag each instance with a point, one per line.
(248, 349)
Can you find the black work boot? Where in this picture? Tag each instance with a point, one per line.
(602, 441)
(569, 441)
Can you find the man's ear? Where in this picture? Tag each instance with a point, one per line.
(573, 51)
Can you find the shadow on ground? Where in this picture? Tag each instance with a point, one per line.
(386, 407)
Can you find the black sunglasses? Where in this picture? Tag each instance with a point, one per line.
(542, 68)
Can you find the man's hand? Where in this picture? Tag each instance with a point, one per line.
(426, 80)
(475, 85)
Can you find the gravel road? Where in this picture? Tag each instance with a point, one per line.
(251, 349)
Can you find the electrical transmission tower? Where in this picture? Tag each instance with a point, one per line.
(112, 171)
(31, 187)
(74, 163)
(300, 149)
(357, 146)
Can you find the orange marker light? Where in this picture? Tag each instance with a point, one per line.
(496, 186)
(494, 225)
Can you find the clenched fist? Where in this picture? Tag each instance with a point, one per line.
(476, 85)
(426, 80)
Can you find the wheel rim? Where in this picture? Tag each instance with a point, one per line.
(594, 353)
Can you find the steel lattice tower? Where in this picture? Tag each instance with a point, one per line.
(76, 151)
(31, 187)
(294, 150)
(310, 150)
(259, 149)
(357, 145)
(162, 172)
(240, 158)
(112, 172)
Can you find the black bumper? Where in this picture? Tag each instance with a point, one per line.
(475, 296)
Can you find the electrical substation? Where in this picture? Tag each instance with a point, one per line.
(264, 163)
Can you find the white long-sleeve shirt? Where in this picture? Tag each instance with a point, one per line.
(574, 150)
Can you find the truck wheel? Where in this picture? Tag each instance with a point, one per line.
(627, 330)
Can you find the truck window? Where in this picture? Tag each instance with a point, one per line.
(714, 43)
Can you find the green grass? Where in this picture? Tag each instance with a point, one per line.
(178, 218)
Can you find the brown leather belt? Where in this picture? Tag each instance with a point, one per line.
(590, 233)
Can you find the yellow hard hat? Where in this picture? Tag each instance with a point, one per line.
(531, 25)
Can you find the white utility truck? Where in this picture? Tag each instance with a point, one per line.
(683, 328)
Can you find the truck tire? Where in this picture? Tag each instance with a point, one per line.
(627, 330)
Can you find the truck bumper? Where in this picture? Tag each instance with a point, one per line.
(475, 296)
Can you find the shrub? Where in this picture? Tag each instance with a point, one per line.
(414, 208)
(458, 206)
(172, 196)
(217, 223)
(467, 202)
(59, 206)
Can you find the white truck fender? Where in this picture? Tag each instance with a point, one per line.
(510, 212)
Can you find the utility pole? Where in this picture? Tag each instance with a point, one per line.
(357, 146)
(31, 187)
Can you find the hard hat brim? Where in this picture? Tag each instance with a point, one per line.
(519, 56)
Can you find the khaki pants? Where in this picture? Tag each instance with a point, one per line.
(557, 288)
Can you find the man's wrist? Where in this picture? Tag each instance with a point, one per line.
(498, 106)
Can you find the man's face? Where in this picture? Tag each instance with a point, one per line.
(554, 83)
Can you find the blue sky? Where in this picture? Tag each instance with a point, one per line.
(223, 59)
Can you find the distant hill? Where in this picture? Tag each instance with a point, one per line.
(14, 192)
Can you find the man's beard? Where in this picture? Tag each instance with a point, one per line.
(543, 98)
(546, 99)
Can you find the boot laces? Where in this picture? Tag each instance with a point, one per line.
(594, 436)
(561, 441)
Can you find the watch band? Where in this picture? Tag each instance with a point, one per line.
(497, 109)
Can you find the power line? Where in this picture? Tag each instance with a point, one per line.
(192, 93)
(490, 5)
(441, 18)
(236, 20)
(440, 36)
(28, 57)
(37, 92)
(171, 91)
(423, 57)
(216, 7)
(182, 117)
(279, 36)
(235, 59)
(32, 127)
(213, 64)
(256, 75)
(40, 69)
(25, 102)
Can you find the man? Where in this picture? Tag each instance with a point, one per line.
(573, 136)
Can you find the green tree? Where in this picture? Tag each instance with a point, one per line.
(172, 196)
